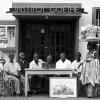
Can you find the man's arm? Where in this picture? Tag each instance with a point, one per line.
(10, 73)
(18, 69)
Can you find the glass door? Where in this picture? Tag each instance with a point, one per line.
(59, 40)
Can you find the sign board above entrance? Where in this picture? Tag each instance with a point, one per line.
(67, 9)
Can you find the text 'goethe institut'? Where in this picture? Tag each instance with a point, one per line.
(42, 9)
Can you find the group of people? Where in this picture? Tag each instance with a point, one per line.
(87, 71)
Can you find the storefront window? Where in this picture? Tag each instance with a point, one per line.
(96, 16)
(7, 36)
(96, 21)
(11, 36)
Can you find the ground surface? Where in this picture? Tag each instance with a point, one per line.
(42, 97)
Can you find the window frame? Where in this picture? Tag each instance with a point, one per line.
(94, 9)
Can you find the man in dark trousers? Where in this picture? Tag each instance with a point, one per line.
(23, 64)
(36, 80)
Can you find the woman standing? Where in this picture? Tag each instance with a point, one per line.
(91, 71)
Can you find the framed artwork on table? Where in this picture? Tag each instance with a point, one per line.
(62, 87)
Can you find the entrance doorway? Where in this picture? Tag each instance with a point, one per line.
(47, 37)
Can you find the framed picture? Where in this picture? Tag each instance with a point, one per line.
(62, 87)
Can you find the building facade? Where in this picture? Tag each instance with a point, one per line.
(46, 27)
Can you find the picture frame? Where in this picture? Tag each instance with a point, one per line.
(62, 87)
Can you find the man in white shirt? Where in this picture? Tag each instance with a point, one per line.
(63, 63)
(36, 63)
(12, 69)
(77, 68)
(77, 64)
(36, 80)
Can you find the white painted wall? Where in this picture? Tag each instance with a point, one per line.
(84, 20)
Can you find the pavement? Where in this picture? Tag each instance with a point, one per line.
(42, 97)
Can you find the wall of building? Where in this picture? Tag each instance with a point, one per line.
(84, 20)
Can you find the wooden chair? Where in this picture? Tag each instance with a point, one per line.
(3, 85)
(12, 89)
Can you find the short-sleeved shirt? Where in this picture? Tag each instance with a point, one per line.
(33, 65)
(12, 67)
(63, 65)
(75, 66)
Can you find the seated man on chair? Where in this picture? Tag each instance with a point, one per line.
(36, 80)
(63, 63)
(47, 65)
(23, 64)
(12, 69)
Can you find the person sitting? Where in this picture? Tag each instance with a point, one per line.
(23, 64)
(2, 61)
(3, 85)
(63, 63)
(47, 65)
(36, 80)
(12, 69)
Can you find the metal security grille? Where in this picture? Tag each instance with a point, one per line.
(60, 39)
(49, 38)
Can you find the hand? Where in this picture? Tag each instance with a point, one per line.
(18, 76)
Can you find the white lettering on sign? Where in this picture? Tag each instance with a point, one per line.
(43, 9)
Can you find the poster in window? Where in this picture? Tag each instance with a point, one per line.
(11, 36)
(3, 33)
